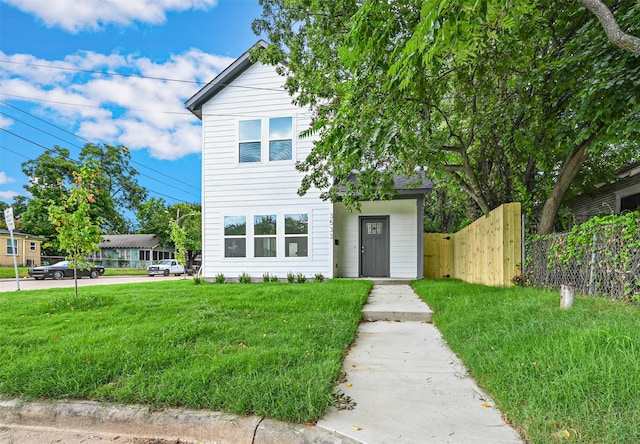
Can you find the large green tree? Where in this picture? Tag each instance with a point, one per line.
(511, 99)
(52, 177)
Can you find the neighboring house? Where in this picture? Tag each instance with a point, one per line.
(254, 221)
(130, 251)
(611, 198)
(27, 247)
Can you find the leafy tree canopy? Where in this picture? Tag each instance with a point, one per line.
(52, 177)
(513, 100)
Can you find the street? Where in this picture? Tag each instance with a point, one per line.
(7, 285)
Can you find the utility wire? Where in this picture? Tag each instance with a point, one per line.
(139, 76)
(78, 163)
(89, 141)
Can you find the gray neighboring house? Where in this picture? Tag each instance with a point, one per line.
(611, 198)
(130, 251)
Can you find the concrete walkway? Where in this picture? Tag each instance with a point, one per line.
(408, 386)
(402, 385)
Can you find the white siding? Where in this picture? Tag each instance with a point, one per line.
(402, 240)
(231, 188)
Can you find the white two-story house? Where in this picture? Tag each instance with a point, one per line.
(253, 219)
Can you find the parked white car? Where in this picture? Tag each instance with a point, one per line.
(165, 267)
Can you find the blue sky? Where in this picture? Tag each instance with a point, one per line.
(54, 90)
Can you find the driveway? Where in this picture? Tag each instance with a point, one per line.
(32, 284)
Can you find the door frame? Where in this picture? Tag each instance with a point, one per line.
(387, 236)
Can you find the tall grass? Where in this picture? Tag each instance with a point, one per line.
(559, 375)
(272, 350)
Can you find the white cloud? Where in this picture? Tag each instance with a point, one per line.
(5, 179)
(8, 196)
(75, 16)
(140, 113)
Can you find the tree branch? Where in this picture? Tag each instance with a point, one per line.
(617, 37)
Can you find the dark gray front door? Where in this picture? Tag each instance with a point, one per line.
(374, 246)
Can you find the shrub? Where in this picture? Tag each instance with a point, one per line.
(198, 280)
(274, 278)
(220, 278)
(266, 277)
(301, 278)
(244, 278)
(319, 277)
(291, 277)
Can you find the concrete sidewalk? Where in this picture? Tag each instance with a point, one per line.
(407, 386)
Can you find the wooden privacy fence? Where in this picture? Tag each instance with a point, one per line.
(489, 251)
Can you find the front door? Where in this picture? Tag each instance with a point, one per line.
(374, 246)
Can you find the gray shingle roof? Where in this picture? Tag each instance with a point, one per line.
(129, 241)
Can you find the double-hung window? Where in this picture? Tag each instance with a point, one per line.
(296, 235)
(235, 236)
(265, 235)
(12, 250)
(273, 135)
(250, 141)
(33, 246)
(280, 138)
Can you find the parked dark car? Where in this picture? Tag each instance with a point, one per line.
(62, 270)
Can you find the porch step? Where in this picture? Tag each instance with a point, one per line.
(395, 303)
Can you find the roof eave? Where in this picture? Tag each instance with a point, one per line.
(231, 72)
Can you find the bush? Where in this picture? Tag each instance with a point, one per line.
(291, 277)
(301, 278)
(274, 278)
(198, 280)
(266, 277)
(319, 277)
(244, 278)
(220, 278)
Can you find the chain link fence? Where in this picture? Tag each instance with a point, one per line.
(608, 265)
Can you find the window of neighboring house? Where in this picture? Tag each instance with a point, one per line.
(124, 253)
(144, 255)
(280, 138)
(12, 250)
(296, 235)
(630, 203)
(33, 246)
(249, 138)
(235, 236)
(264, 231)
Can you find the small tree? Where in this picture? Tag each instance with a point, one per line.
(78, 234)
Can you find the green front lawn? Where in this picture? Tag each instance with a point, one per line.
(559, 375)
(270, 349)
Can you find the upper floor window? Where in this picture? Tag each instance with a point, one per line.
(33, 246)
(274, 135)
(280, 138)
(249, 137)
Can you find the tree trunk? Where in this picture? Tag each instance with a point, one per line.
(570, 169)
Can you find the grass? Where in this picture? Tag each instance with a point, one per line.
(559, 375)
(267, 349)
(10, 272)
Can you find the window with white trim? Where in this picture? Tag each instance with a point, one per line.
(33, 246)
(12, 251)
(296, 235)
(250, 138)
(235, 236)
(265, 235)
(280, 138)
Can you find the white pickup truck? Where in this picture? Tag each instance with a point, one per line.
(165, 267)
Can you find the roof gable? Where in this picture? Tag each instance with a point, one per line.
(231, 72)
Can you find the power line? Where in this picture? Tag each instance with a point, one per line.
(78, 163)
(139, 76)
(89, 141)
